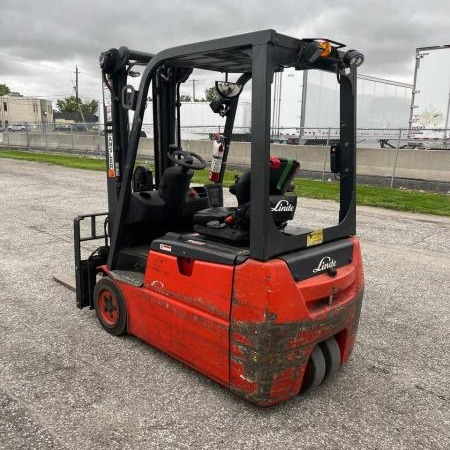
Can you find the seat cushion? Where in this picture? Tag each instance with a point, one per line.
(218, 214)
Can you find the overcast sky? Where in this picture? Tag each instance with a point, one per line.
(41, 41)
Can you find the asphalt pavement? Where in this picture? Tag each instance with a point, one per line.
(67, 384)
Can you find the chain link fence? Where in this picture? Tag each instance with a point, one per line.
(396, 158)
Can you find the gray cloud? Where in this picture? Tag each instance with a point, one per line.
(66, 33)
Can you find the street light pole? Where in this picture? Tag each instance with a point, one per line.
(303, 105)
(446, 121)
(193, 88)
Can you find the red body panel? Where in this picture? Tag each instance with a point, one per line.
(250, 327)
(186, 316)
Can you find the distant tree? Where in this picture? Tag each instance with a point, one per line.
(185, 98)
(4, 90)
(211, 94)
(89, 107)
(69, 104)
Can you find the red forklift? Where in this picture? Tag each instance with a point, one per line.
(266, 309)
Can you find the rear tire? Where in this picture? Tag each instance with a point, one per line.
(315, 370)
(332, 354)
(110, 307)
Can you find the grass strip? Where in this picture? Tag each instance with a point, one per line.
(381, 197)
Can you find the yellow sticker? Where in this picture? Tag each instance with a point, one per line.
(314, 238)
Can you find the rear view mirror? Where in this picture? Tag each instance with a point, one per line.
(226, 89)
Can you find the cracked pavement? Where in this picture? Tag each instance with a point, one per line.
(67, 384)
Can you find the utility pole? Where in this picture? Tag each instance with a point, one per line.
(76, 88)
(193, 88)
(77, 99)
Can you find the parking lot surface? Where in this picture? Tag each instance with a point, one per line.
(67, 384)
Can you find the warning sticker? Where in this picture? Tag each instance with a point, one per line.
(111, 166)
(165, 247)
(314, 238)
(107, 103)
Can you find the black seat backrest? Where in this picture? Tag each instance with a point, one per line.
(282, 171)
(173, 188)
(142, 179)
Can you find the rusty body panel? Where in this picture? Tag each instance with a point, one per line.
(275, 324)
(250, 327)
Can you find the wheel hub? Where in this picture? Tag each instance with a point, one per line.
(108, 308)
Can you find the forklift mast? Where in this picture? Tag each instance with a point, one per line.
(117, 100)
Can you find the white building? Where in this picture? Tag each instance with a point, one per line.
(25, 110)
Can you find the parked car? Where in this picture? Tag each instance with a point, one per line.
(17, 127)
(63, 128)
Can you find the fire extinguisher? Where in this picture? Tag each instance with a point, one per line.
(217, 156)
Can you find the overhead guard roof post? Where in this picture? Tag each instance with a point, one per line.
(260, 217)
(347, 211)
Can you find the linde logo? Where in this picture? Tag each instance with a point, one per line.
(282, 205)
(325, 263)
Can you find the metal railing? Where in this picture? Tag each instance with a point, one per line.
(417, 158)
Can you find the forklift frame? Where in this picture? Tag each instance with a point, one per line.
(264, 320)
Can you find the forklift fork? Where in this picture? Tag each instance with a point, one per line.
(86, 269)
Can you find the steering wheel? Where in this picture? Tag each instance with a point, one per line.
(186, 159)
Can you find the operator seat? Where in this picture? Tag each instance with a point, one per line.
(173, 188)
(233, 223)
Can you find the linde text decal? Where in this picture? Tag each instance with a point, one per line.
(282, 205)
(325, 263)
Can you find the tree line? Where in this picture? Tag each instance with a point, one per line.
(90, 107)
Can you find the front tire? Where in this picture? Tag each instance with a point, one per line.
(110, 307)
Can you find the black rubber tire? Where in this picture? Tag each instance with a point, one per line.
(332, 354)
(315, 370)
(120, 326)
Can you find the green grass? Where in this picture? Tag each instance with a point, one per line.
(75, 162)
(398, 199)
